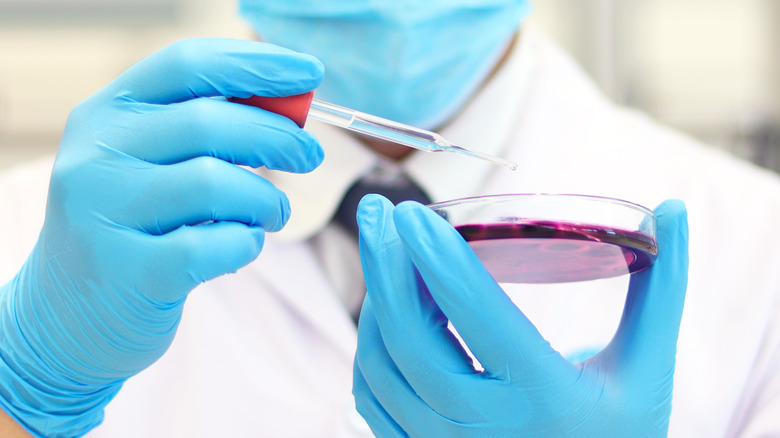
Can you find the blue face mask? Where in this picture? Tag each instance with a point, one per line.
(413, 61)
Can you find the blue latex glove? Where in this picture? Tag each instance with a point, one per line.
(145, 203)
(412, 378)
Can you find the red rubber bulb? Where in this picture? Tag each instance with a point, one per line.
(295, 108)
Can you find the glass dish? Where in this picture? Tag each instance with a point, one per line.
(552, 238)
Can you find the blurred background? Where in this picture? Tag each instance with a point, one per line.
(708, 67)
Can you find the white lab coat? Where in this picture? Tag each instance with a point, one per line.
(268, 351)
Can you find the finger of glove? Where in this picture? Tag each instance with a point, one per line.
(218, 67)
(192, 255)
(235, 133)
(202, 190)
(646, 339)
(379, 421)
(502, 339)
(413, 329)
(386, 385)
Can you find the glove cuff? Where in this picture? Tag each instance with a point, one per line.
(35, 396)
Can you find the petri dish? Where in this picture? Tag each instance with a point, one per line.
(554, 238)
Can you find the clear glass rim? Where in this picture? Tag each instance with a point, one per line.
(515, 196)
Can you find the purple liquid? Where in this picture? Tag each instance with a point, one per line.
(557, 252)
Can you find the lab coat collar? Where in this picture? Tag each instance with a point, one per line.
(485, 124)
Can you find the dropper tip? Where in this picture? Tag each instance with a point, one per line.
(511, 165)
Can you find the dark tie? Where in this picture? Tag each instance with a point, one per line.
(396, 191)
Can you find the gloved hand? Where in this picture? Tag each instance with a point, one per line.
(412, 378)
(146, 201)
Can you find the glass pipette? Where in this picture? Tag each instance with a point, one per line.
(300, 106)
(395, 132)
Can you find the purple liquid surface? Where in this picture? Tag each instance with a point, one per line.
(557, 252)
